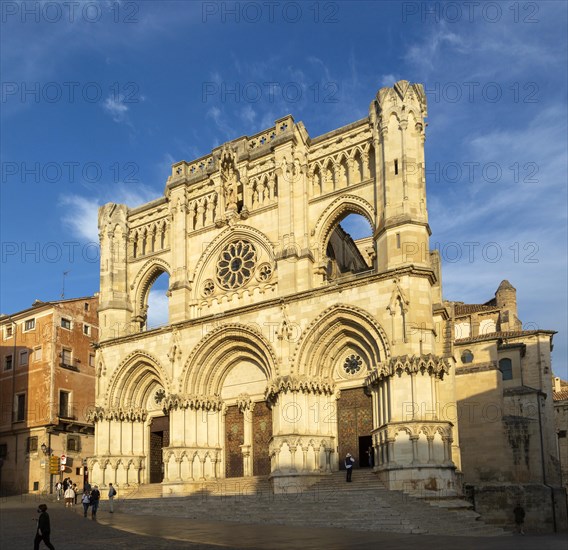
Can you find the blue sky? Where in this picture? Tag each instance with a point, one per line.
(98, 102)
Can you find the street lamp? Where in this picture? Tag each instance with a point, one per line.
(45, 449)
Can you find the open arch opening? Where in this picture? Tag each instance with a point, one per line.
(157, 302)
(350, 247)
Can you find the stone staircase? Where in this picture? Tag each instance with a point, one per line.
(365, 504)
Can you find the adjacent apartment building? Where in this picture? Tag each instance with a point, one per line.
(47, 383)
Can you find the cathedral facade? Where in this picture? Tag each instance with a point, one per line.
(289, 343)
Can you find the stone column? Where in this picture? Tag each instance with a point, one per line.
(430, 439)
(414, 440)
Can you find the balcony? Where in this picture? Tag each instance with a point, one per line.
(69, 366)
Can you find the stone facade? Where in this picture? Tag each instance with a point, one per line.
(561, 421)
(288, 343)
(47, 389)
(506, 414)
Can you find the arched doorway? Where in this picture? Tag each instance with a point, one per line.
(354, 426)
(248, 420)
(159, 438)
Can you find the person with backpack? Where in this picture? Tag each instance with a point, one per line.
(43, 528)
(111, 495)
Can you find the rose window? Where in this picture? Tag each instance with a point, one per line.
(159, 396)
(352, 364)
(236, 264)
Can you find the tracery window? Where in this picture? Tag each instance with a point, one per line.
(236, 264)
(352, 364)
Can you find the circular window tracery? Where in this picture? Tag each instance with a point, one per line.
(352, 364)
(159, 396)
(264, 272)
(236, 264)
(208, 287)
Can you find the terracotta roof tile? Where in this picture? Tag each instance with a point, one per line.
(465, 309)
(561, 395)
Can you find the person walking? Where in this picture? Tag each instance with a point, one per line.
(43, 528)
(519, 512)
(111, 495)
(95, 498)
(69, 497)
(86, 502)
(58, 489)
(76, 491)
(349, 461)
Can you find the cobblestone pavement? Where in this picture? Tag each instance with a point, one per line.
(70, 530)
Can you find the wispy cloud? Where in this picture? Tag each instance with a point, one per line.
(116, 108)
(81, 213)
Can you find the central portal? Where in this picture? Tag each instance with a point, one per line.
(159, 438)
(262, 434)
(234, 439)
(354, 426)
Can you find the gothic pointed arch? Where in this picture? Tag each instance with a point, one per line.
(134, 379)
(331, 335)
(225, 346)
(335, 212)
(144, 280)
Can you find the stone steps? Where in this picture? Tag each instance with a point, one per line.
(365, 504)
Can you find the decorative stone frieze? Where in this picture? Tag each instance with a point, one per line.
(194, 402)
(120, 414)
(410, 364)
(303, 384)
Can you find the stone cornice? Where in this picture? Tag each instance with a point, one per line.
(336, 286)
(479, 367)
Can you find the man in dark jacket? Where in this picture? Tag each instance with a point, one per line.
(95, 498)
(349, 461)
(43, 528)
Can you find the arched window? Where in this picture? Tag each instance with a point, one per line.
(157, 311)
(467, 356)
(350, 248)
(506, 368)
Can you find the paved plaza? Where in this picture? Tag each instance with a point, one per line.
(70, 530)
